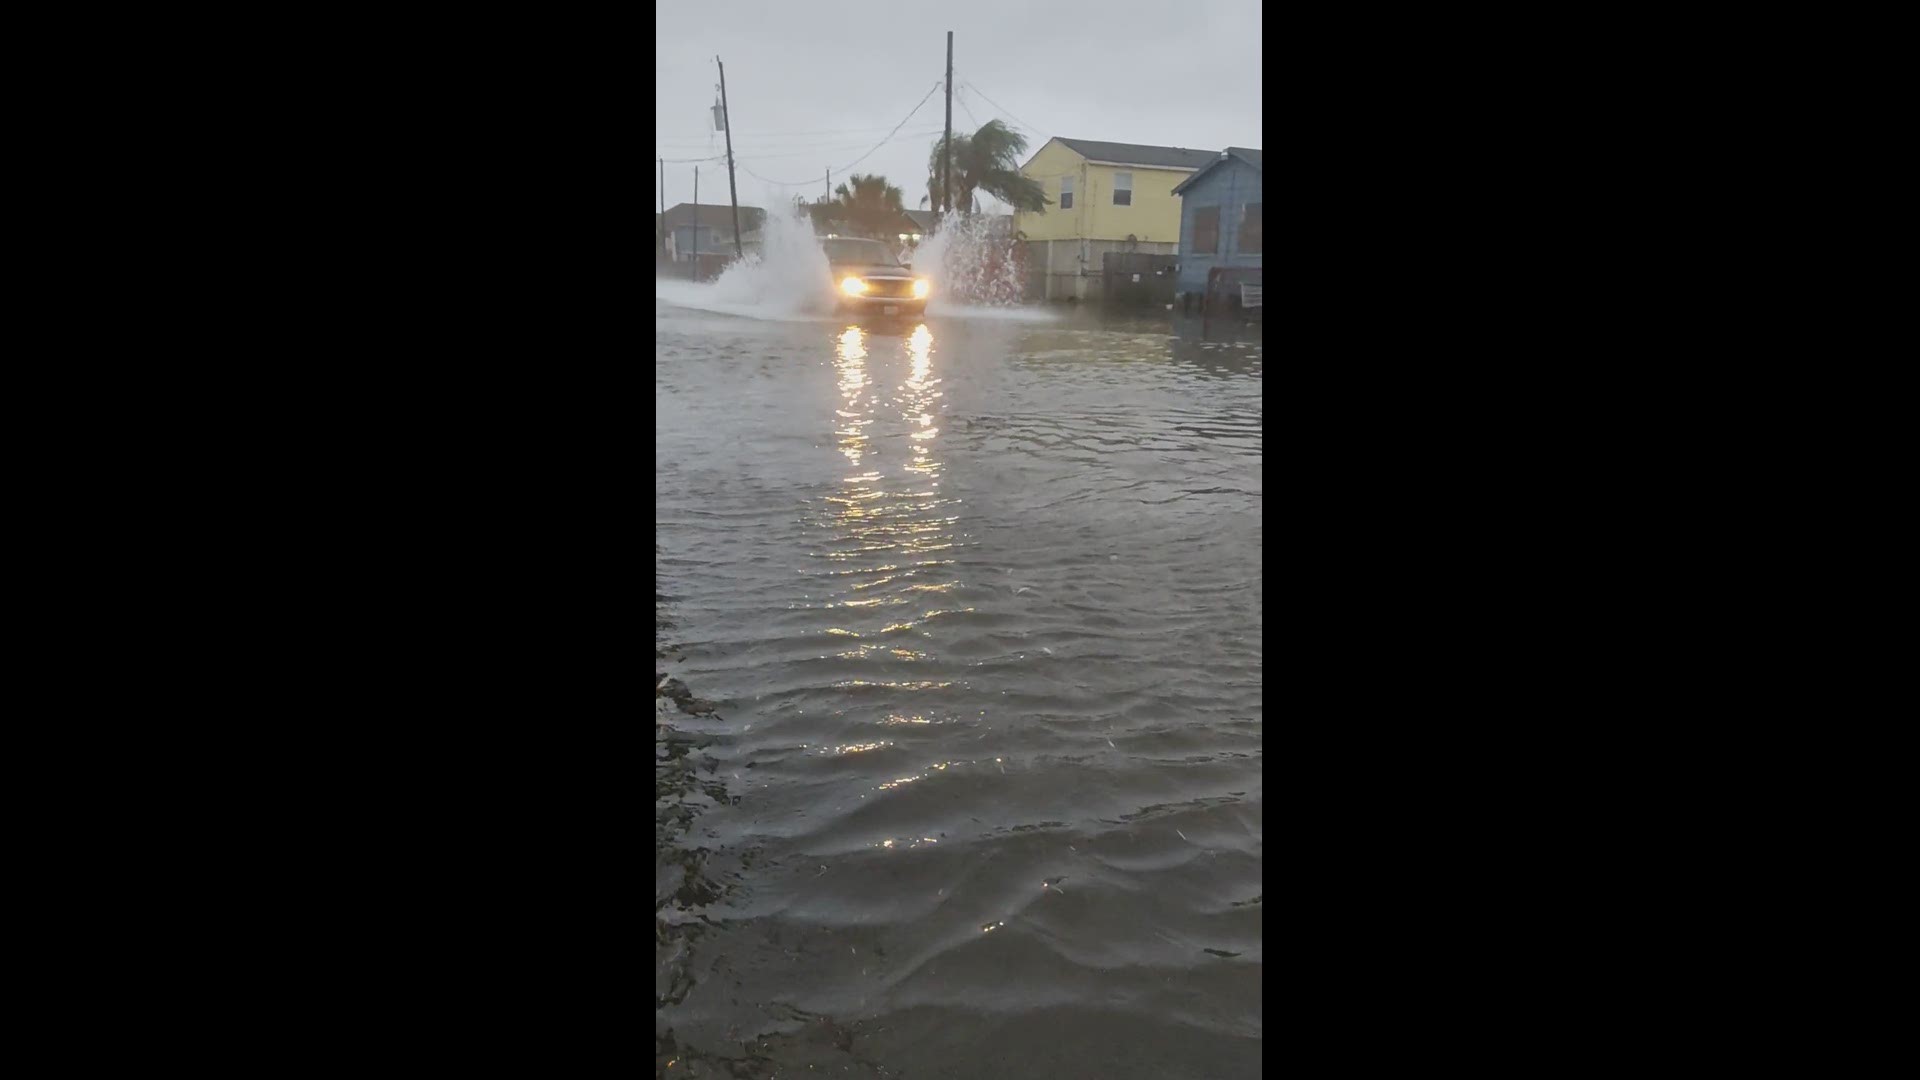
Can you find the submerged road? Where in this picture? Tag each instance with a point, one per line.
(959, 767)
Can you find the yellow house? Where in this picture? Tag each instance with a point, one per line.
(1105, 197)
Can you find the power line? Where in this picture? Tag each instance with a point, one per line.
(896, 127)
(785, 153)
(776, 183)
(782, 152)
(1009, 113)
(769, 134)
(855, 161)
(960, 93)
(817, 150)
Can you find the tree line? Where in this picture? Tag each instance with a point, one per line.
(985, 162)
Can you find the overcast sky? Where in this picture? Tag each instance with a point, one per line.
(814, 85)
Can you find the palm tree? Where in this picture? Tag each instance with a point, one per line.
(987, 161)
(867, 204)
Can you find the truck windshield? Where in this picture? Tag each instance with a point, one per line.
(871, 252)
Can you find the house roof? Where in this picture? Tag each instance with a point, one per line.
(926, 219)
(1251, 157)
(1165, 157)
(718, 217)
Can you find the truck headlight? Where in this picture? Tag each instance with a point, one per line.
(853, 286)
(920, 288)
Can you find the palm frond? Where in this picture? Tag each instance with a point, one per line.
(986, 161)
(962, 149)
(1018, 191)
(996, 146)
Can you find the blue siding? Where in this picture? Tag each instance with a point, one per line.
(1230, 186)
(710, 240)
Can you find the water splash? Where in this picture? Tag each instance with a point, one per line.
(787, 278)
(977, 274)
(974, 265)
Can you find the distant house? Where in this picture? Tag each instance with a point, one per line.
(1104, 197)
(1221, 221)
(710, 226)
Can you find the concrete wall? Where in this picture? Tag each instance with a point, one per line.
(1072, 269)
(1230, 187)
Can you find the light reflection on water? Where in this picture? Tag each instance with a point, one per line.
(873, 511)
(853, 382)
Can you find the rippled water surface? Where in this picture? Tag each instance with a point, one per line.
(959, 736)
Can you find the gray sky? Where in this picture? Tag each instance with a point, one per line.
(815, 84)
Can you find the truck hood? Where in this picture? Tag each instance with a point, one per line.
(872, 271)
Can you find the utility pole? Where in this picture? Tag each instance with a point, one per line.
(696, 221)
(726, 122)
(946, 167)
(661, 239)
(828, 194)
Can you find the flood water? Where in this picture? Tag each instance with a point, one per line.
(958, 755)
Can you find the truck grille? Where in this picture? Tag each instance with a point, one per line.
(889, 287)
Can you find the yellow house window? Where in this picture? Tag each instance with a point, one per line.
(1066, 193)
(1123, 189)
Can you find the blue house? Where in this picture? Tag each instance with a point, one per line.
(705, 228)
(1221, 223)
